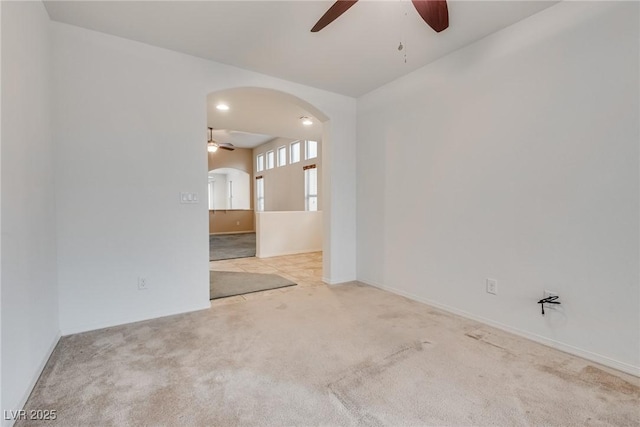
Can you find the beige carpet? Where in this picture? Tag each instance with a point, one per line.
(231, 246)
(346, 355)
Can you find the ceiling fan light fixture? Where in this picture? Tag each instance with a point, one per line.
(213, 145)
(306, 121)
(222, 107)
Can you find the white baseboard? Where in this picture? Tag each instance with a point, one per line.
(36, 376)
(338, 281)
(304, 251)
(95, 327)
(576, 351)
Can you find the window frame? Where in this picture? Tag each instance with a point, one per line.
(271, 154)
(292, 151)
(260, 162)
(306, 149)
(308, 195)
(259, 194)
(284, 158)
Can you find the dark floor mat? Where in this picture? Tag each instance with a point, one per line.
(229, 246)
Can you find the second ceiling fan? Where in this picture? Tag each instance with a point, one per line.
(212, 145)
(434, 12)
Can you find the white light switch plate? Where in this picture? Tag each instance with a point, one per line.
(188, 197)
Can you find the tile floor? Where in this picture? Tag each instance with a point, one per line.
(303, 269)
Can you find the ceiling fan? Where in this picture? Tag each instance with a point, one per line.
(434, 12)
(212, 145)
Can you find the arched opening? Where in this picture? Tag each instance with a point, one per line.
(279, 140)
(229, 188)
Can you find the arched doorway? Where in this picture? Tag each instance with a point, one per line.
(282, 136)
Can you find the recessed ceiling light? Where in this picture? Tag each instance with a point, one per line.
(306, 121)
(222, 107)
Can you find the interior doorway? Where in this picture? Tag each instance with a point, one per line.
(265, 191)
(231, 212)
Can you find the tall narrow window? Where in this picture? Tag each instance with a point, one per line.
(282, 156)
(311, 188)
(311, 150)
(260, 162)
(294, 152)
(259, 194)
(230, 195)
(270, 159)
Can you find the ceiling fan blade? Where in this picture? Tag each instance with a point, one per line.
(226, 147)
(337, 9)
(434, 12)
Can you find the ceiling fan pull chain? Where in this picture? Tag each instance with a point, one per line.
(403, 32)
(402, 47)
(399, 24)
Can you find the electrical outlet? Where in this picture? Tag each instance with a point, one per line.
(142, 284)
(237, 222)
(492, 286)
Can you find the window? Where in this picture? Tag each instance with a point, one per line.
(294, 152)
(282, 156)
(259, 194)
(270, 159)
(311, 150)
(260, 163)
(310, 188)
(230, 193)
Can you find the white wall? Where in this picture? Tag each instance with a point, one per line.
(220, 193)
(29, 291)
(515, 158)
(240, 188)
(241, 197)
(133, 109)
(1, 406)
(338, 178)
(286, 233)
